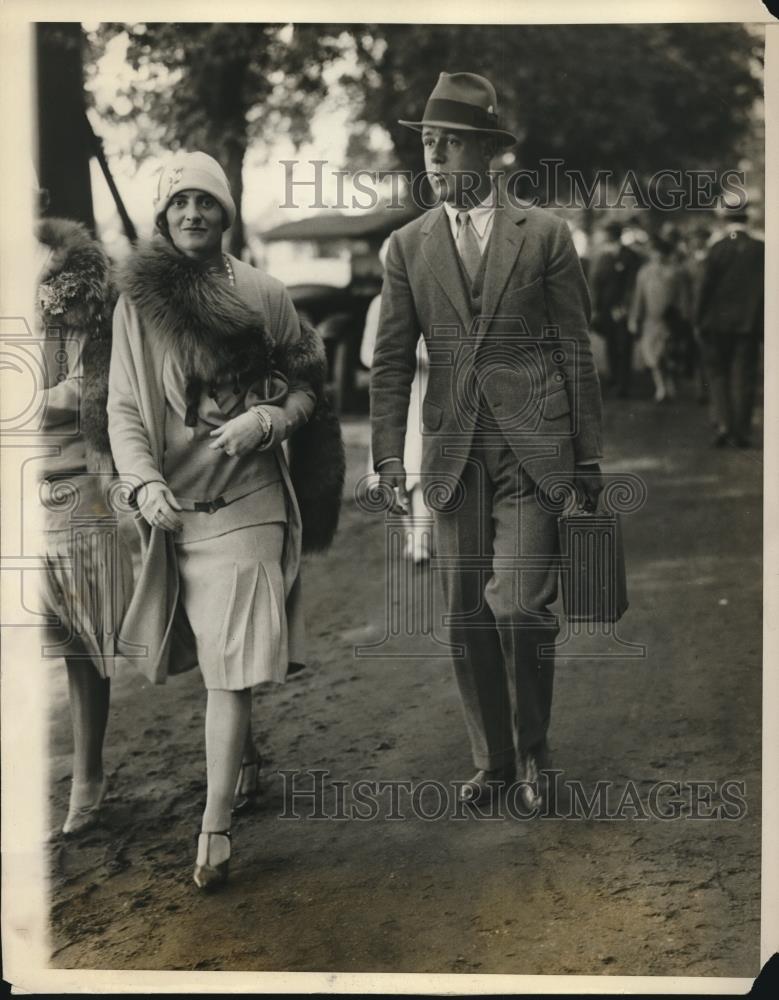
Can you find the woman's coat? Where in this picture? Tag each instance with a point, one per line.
(155, 633)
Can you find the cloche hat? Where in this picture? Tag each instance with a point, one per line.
(198, 171)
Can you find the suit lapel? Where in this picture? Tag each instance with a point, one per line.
(439, 252)
(507, 238)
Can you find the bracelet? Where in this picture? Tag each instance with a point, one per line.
(265, 423)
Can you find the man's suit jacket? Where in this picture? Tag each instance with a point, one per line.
(731, 295)
(611, 282)
(526, 355)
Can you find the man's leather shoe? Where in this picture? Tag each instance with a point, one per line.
(486, 784)
(537, 786)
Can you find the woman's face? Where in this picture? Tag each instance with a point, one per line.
(194, 221)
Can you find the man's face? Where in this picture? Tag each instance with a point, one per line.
(456, 162)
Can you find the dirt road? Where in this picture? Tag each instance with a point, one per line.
(627, 895)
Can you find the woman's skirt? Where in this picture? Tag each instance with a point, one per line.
(232, 589)
(654, 338)
(86, 587)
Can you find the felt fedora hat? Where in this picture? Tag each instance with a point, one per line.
(466, 102)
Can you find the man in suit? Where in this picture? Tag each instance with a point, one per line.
(513, 402)
(730, 326)
(612, 280)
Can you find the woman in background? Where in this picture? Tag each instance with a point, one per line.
(419, 543)
(88, 571)
(655, 297)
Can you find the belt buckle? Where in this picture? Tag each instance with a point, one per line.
(209, 506)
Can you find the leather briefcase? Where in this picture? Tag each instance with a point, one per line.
(592, 567)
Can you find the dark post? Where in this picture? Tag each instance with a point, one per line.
(63, 143)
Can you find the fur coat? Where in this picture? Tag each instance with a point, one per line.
(243, 332)
(217, 336)
(75, 292)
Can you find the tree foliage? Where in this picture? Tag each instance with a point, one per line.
(620, 97)
(638, 98)
(219, 87)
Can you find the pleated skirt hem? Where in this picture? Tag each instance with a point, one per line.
(232, 589)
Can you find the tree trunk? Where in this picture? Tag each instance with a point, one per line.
(235, 153)
(63, 141)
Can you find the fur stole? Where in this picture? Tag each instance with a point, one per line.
(211, 328)
(75, 292)
(217, 336)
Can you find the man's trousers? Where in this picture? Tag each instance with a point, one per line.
(731, 365)
(619, 348)
(498, 552)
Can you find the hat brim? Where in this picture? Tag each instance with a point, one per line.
(506, 138)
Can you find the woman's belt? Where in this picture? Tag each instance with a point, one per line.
(211, 506)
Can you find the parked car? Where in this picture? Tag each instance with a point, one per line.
(339, 314)
(338, 311)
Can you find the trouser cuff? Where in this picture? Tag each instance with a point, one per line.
(491, 762)
(531, 738)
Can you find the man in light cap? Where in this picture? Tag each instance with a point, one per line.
(513, 402)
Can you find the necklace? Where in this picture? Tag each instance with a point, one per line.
(229, 269)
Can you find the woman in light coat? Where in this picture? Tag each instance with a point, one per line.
(211, 373)
(656, 296)
(419, 538)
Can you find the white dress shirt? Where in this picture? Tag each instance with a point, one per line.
(481, 216)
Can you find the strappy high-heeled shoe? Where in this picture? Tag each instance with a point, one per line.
(84, 817)
(213, 859)
(248, 784)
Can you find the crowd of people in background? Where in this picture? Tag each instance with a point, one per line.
(685, 303)
(691, 302)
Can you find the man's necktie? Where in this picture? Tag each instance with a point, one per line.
(468, 244)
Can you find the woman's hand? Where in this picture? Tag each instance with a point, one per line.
(158, 506)
(239, 435)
